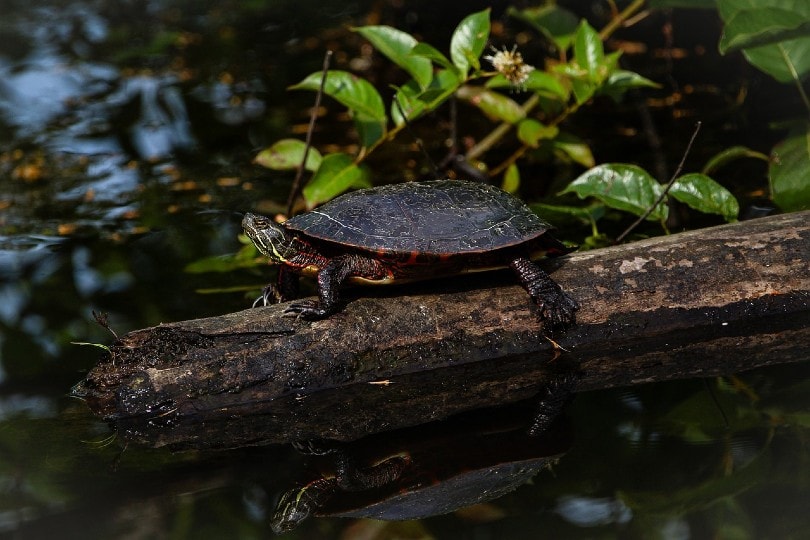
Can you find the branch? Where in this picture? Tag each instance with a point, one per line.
(702, 303)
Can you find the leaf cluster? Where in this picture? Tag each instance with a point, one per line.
(553, 93)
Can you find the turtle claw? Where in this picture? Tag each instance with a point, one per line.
(559, 311)
(270, 295)
(310, 310)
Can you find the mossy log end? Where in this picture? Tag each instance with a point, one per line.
(701, 303)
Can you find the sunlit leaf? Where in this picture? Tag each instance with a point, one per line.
(397, 46)
(337, 173)
(531, 132)
(495, 105)
(790, 170)
(287, 154)
(468, 41)
(589, 53)
(621, 186)
(705, 195)
(358, 95)
(511, 179)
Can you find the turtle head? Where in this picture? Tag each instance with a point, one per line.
(272, 239)
(297, 504)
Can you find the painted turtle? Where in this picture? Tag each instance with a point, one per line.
(410, 231)
(425, 471)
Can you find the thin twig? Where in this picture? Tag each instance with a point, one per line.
(415, 138)
(666, 188)
(296, 186)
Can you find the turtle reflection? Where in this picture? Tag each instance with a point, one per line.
(426, 471)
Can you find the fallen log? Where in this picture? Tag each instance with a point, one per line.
(696, 304)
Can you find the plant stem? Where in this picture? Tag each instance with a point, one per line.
(620, 19)
(498, 133)
(795, 76)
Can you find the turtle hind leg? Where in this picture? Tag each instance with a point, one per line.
(558, 393)
(557, 308)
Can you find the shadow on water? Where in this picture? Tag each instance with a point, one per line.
(127, 131)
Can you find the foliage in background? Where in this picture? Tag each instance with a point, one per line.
(771, 34)
(774, 36)
(551, 95)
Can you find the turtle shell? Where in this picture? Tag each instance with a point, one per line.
(440, 217)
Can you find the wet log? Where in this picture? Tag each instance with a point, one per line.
(696, 304)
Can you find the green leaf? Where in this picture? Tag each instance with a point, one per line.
(540, 82)
(468, 41)
(765, 25)
(589, 54)
(621, 186)
(731, 154)
(790, 170)
(555, 212)
(431, 53)
(511, 179)
(782, 59)
(337, 173)
(85, 343)
(413, 103)
(287, 154)
(574, 148)
(496, 106)
(407, 96)
(705, 195)
(557, 24)
(620, 81)
(397, 46)
(358, 95)
(531, 132)
(246, 257)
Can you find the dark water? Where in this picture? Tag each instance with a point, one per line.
(127, 131)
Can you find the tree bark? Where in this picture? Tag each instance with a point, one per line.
(696, 304)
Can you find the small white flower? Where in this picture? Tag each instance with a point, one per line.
(510, 64)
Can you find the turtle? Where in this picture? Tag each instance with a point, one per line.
(426, 470)
(405, 232)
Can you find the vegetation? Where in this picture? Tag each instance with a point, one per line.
(535, 102)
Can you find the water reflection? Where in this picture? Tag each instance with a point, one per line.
(428, 471)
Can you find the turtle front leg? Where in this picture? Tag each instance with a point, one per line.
(557, 308)
(330, 279)
(284, 289)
